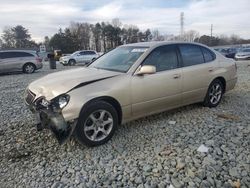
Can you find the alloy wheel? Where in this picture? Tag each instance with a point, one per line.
(98, 125)
(29, 68)
(215, 93)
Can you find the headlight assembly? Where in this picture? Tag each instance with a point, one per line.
(60, 102)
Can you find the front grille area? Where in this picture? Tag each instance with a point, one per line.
(29, 98)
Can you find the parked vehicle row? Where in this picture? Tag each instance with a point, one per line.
(129, 82)
(227, 52)
(235, 53)
(26, 61)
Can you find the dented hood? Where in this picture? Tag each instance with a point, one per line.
(61, 82)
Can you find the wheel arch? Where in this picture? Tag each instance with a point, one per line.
(71, 59)
(112, 101)
(223, 81)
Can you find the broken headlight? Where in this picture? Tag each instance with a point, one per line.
(59, 102)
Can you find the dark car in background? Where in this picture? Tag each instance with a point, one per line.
(227, 52)
(26, 61)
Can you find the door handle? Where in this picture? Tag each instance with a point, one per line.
(176, 76)
(210, 69)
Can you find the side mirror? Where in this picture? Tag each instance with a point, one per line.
(146, 69)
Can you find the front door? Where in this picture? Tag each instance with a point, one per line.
(161, 90)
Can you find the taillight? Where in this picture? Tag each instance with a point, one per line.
(39, 60)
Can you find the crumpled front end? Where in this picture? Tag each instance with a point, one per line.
(48, 115)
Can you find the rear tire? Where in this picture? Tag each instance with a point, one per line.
(214, 94)
(96, 124)
(29, 68)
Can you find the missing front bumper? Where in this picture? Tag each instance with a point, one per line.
(56, 123)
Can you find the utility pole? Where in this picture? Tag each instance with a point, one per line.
(182, 25)
(211, 35)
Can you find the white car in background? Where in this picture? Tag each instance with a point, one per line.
(79, 57)
(243, 54)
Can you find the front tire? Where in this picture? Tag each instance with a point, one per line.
(96, 124)
(214, 94)
(71, 62)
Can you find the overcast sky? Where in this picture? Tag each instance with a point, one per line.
(45, 17)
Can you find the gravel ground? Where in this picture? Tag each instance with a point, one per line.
(156, 151)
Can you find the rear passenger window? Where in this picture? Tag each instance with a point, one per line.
(208, 55)
(23, 54)
(191, 55)
(163, 58)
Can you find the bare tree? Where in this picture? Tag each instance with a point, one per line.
(82, 33)
(8, 38)
(224, 40)
(1, 43)
(156, 36)
(190, 35)
(234, 39)
(116, 22)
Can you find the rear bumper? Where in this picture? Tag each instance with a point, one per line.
(39, 66)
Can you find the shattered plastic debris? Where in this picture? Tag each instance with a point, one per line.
(202, 149)
(172, 122)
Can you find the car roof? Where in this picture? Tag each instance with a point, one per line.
(29, 51)
(84, 51)
(87, 51)
(160, 43)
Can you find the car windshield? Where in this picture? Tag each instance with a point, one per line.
(119, 59)
(75, 53)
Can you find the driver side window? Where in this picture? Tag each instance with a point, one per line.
(163, 58)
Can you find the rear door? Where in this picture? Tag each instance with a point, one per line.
(24, 57)
(161, 90)
(89, 55)
(198, 66)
